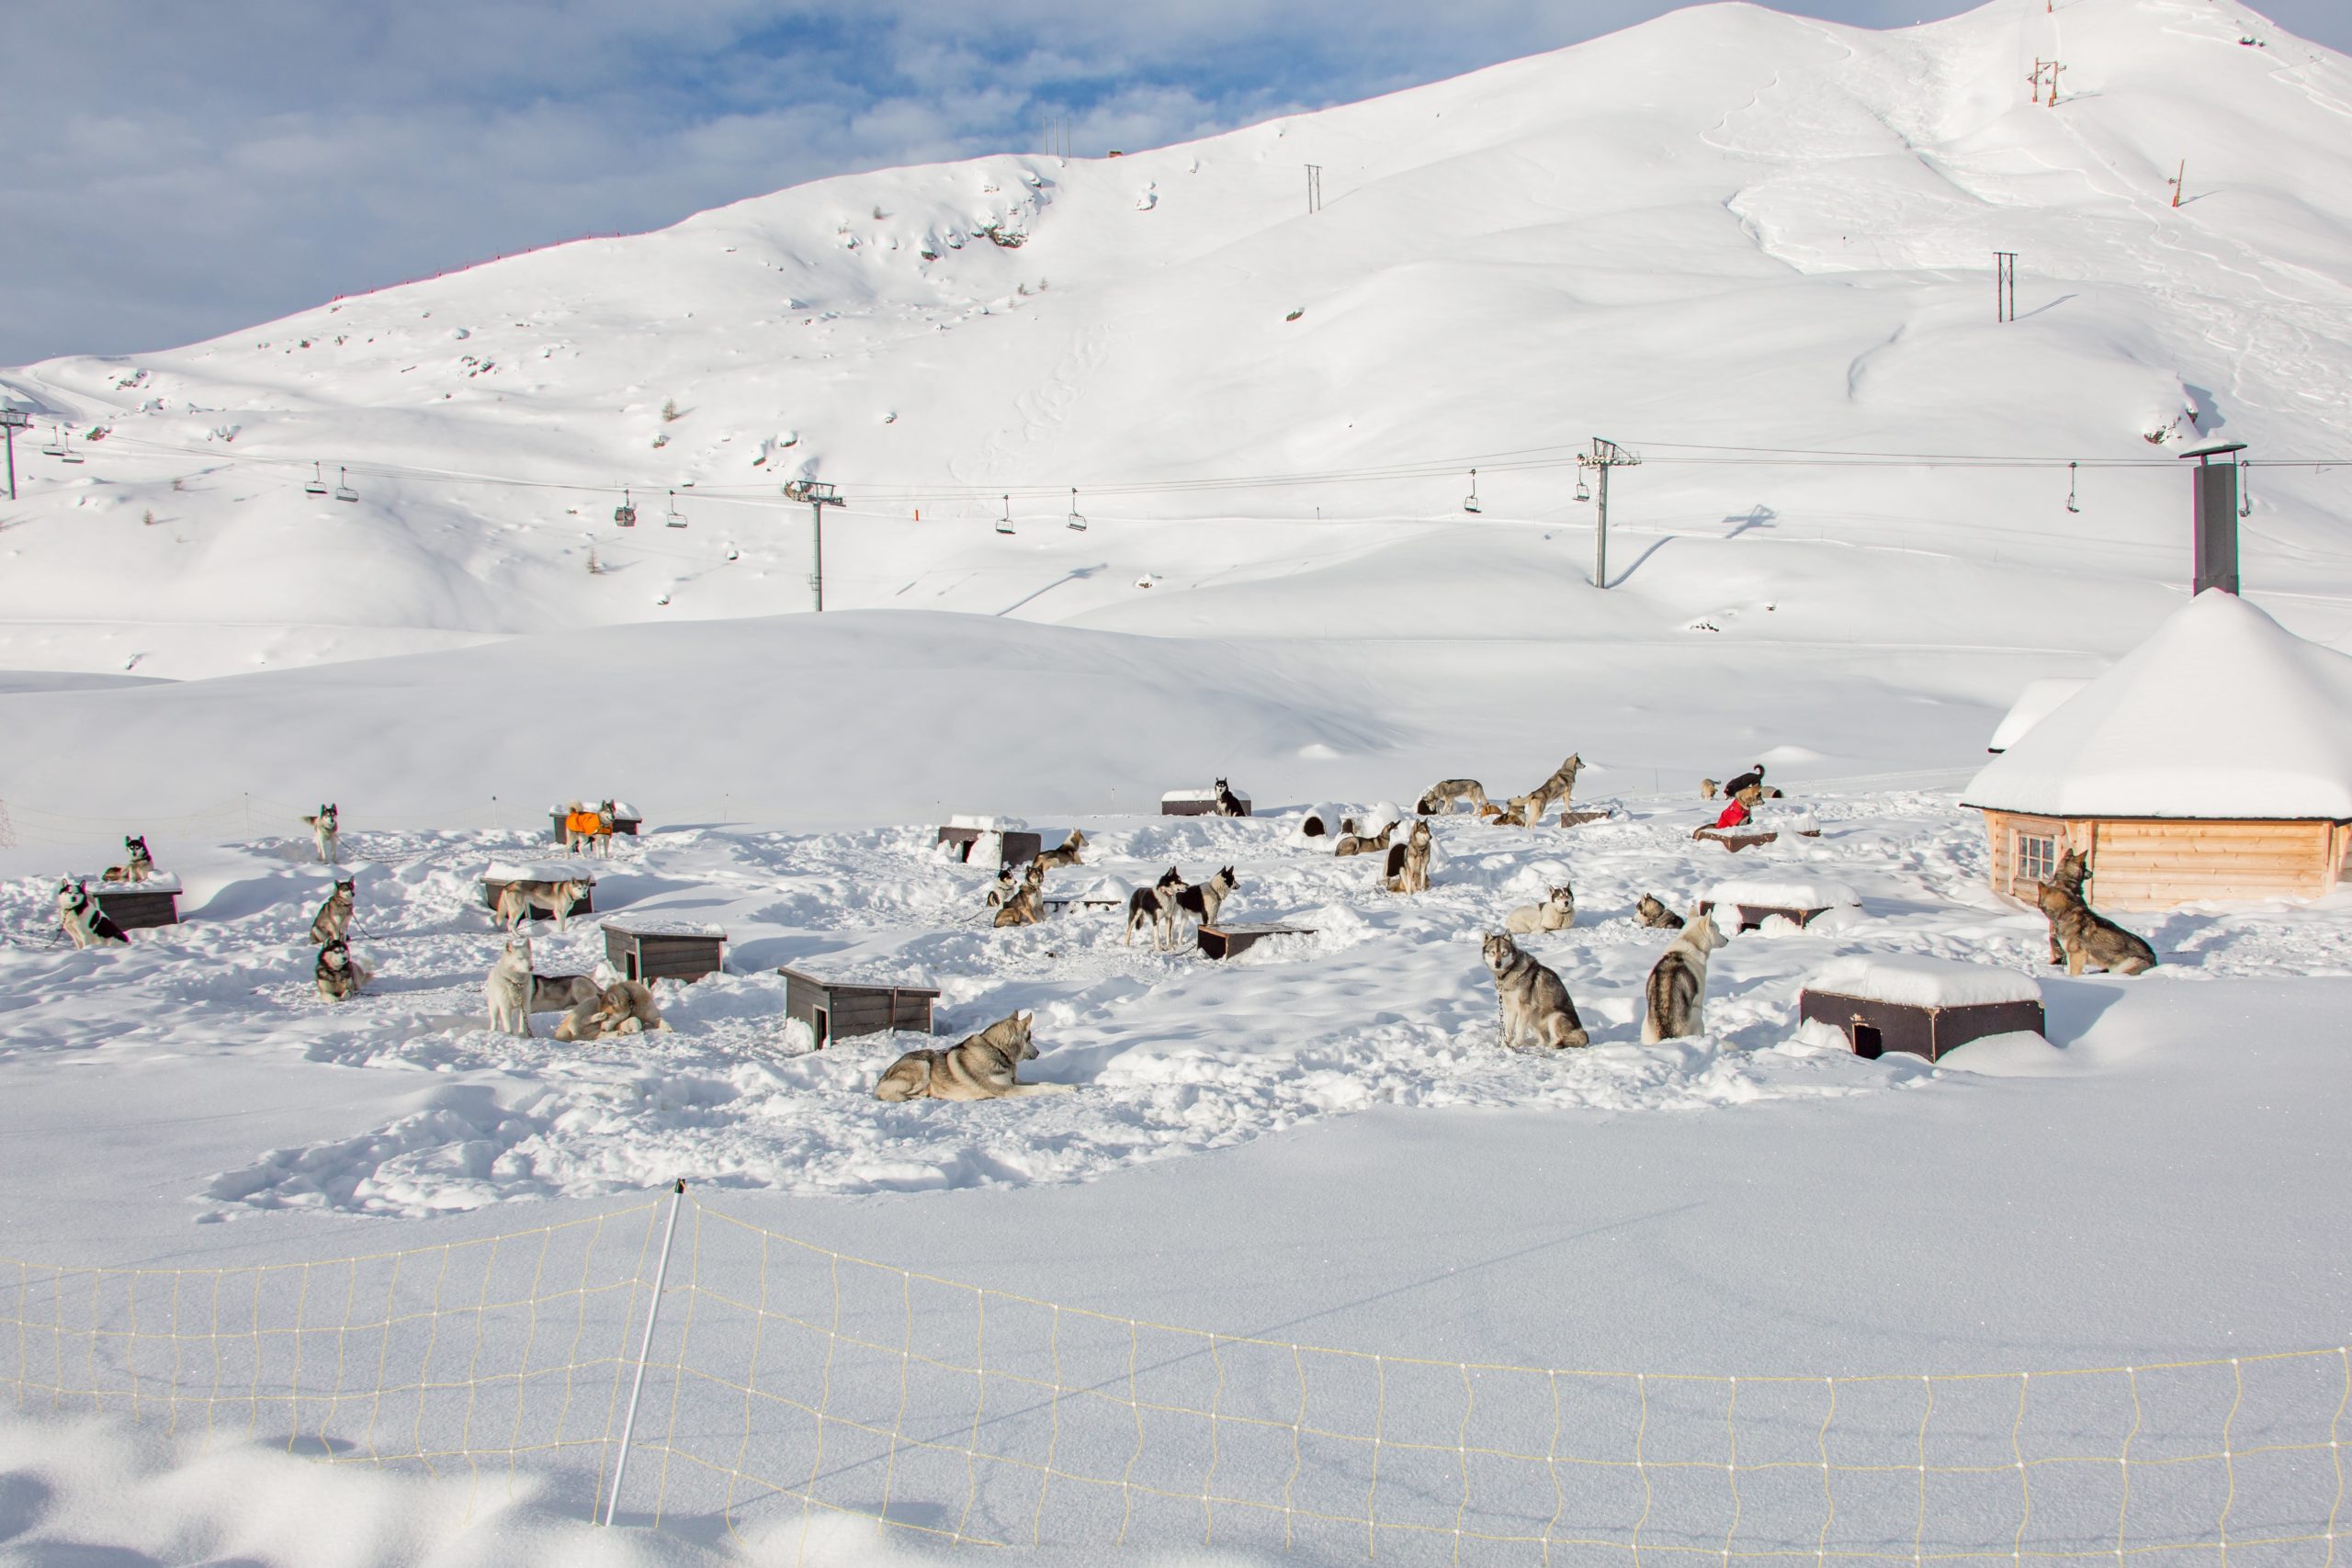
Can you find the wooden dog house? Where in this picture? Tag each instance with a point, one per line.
(644, 948)
(1197, 802)
(841, 1010)
(1104, 895)
(626, 817)
(503, 874)
(1754, 901)
(2213, 761)
(1227, 942)
(990, 840)
(1909, 1002)
(134, 906)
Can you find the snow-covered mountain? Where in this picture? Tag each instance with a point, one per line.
(1726, 229)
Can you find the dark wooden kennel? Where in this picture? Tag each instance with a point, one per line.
(1226, 942)
(1733, 839)
(491, 886)
(841, 1010)
(134, 906)
(1197, 803)
(1011, 846)
(664, 950)
(1873, 1028)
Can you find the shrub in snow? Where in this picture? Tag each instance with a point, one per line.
(670, 413)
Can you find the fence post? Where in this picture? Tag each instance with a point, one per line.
(644, 1349)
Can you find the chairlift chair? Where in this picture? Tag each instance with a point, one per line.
(343, 490)
(55, 445)
(675, 518)
(1584, 490)
(1004, 523)
(2245, 492)
(66, 453)
(626, 513)
(1076, 522)
(1470, 502)
(2070, 488)
(318, 482)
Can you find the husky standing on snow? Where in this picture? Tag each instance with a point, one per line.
(1439, 798)
(338, 973)
(508, 989)
(1556, 913)
(1198, 904)
(1409, 862)
(1675, 995)
(1535, 1003)
(980, 1067)
(1145, 904)
(326, 829)
(137, 865)
(517, 899)
(84, 923)
(1529, 808)
(333, 919)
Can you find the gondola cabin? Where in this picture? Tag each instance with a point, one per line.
(2213, 763)
(842, 1010)
(990, 841)
(644, 948)
(137, 904)
(1909, 1002)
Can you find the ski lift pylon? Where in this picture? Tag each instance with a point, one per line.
(1470, 502)
(1076, 522)
(1004, 523)
(343, 490)
(2070, 487)
(316, 483)
(626, 513)
(675, 518)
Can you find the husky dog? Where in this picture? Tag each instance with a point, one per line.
(2074, 868)
(1752, 779)
(1145, 905)
(339, 974)
(138, 866)
(588, 827)
(1198, 904)
(625, 1007)
(1440, 797)
(1558, 912)
(980, 1067)
(1066, 853)
(325, 827)
(1027, 905)
(1227, 803)
(334, 916)
(1652, 911)
(1530, 806)
(564, 993)
(1709, 787)
(84, 923)
(2090, 939)
(1535, 1004)
(507, 989)
(1354, 843)
(516, 901)
(1409, 862)
(1347, 827)
(1675, 995)
(1002, 887)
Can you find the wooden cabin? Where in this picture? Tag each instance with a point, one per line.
(136, 906)
(644, 948)
(2211, 764)
(1912, 1003)
(841, 1008)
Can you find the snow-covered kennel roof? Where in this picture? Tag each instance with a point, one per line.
(1916, 979)
(2222, 713)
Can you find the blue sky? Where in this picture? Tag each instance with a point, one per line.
(177, 171)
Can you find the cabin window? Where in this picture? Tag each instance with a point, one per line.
(2036, 859)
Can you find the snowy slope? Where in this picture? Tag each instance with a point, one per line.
(1725, 227)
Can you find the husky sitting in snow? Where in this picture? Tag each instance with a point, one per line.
(1066, 852)
(1027, 905)
(86, 924)
(1145, 905)
(339, 976)
(326, 826)
(2088, 938)
(508, 989)
(1674, 998)
(1198, 904)
(1227, 803)
(1351, 842)
(1407, 868)
(625, 1007)
(138, 866)
(1440, 797)
(1556, 913)
(1535, 1004)
(2073, 870)
(1652, 911)
(980, 1067)
(333, 919)
(517, 899)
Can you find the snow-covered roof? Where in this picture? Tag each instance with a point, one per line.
(161, 881)
(621, 808)
(538, 871)
(1202, 794)
(2037, 701)
(1784, 892)
(1910, 979)
(834, 971)
(2223, 713)
(987, 824)
(653, 925)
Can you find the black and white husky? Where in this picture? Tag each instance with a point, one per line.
(1674, 997)
(339, 974)
(325, 828)
(1198, 904)
(1146, 904)
(84, 923)
(1227, 803)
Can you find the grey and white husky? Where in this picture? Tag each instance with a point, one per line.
(1558, 912)
(507, 989)
(1354, 843)
(625, 1007)
(979, 1066)
(2088, 938)
(1198, 904)
(339, 976)
(1026, 906)
(2073, 870)
(326, 826)
(1535, 1004)
(1652, 912)
(1529, 808)
(1409, 862)
(1145, 905)
(1065, 853)
(1440, 797)
(85, 923)
(334, 920)
(517, 899)
(1674, 998)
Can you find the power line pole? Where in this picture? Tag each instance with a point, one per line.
(11, 421)
(819, 497)
(1604, 455)
(1313, 188)
(2005, 285)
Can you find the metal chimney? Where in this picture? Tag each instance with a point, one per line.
(2215, 563)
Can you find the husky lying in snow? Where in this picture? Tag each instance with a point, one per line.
(138, 867)
(2088, 938)
(326, 826)
(1145, 905)
(1675, 995)
(625, 1007)
(84, 923)
(1652, 911)
(339, 976)
(1529, 808)
(980, 1067)
(1408, 869)
(517, 899)
(1065, 853)
(1558, 912)
(334, 920)
(564, 993)
(507, 989)
(1354, 843)
(1439, 797)
(1026, 906)
(1198, 904)
(1535, 1005)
